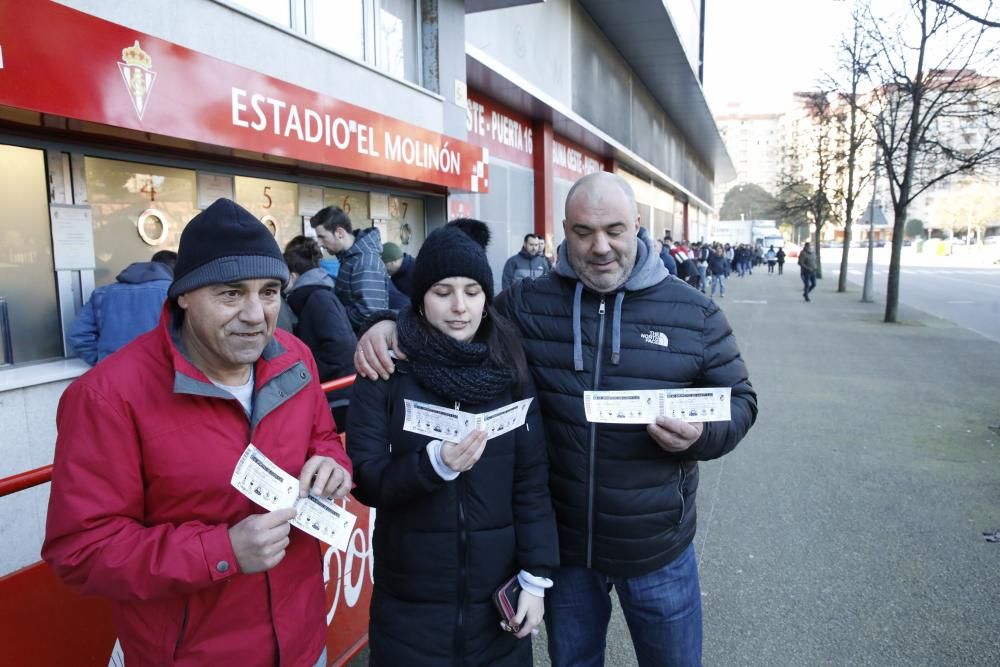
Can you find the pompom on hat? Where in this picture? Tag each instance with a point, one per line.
(457, 249)
(225, 243)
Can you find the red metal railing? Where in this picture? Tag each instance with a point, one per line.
(38, 594)
(30, 478)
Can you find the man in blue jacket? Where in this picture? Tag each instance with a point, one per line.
(117, 313)
(610, 317)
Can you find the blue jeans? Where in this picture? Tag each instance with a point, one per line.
(720, 281)
(662, 609)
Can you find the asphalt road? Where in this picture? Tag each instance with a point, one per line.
(953, 290)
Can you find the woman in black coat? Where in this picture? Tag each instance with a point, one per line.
(455, 520)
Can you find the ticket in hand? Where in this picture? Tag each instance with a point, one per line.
(260, 480)
(643, 406)
(451, 425)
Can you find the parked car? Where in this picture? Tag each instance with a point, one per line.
(792, 249)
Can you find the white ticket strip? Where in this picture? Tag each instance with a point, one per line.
(272, 488)
(453, 425)
(643, 406)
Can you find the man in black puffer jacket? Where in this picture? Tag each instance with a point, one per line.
(609, 317)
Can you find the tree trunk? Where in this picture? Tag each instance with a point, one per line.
(892, 291)
(819, 264)
(842, 280)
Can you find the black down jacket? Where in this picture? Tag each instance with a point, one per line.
(442, 548)
(624, 506)
(322, 324)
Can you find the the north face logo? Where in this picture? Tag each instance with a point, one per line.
(655, 338)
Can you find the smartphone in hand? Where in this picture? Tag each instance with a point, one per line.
(505, 598)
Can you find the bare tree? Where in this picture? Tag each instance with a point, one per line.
(982, 19)
(916, 101)
(810, 191)
(855, 58)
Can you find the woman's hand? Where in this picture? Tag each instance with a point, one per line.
(461, 456)
(530, 612)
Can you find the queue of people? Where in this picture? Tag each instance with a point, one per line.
(560, 508)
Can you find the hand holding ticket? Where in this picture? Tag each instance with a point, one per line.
(260, 480)
(453, 425)
(643, 406)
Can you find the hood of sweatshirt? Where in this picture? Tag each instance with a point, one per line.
(648, 271)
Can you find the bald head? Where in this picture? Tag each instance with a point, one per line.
(601, 185)
(601, 226)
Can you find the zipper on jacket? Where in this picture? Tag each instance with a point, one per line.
(463, 549)
(681, 478)
(593, 436)
(463, 540)
(180, 635)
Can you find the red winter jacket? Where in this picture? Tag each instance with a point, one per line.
(141, 504)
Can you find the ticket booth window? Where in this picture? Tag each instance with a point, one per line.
(29, 331)
(137, 210)
(275, 203)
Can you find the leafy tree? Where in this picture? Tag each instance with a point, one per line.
(749, 200)
(968, 208)
(915, 97)
(914, 228)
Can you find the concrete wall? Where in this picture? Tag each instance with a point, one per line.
(28, 416)
(557, 49)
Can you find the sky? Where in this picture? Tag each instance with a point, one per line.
(760, 51)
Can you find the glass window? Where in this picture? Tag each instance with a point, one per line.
(278, 11)
(275, 203)
(396, 41)
(137, 210)
(406, 224)
(353, 202)
(27, 273)
(340, 25)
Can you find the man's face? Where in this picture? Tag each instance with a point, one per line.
(227, 325)
(393, 266)
(529, 246)
(601, 231)
(537, 246)
(331, 241)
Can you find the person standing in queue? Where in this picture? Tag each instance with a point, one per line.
(142, 510)
(455, 519)
(610, 317)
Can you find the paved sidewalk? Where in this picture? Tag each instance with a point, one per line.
(846, 529)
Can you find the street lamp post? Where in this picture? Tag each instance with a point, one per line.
(866, 291)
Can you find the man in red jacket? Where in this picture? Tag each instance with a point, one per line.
(142, 510)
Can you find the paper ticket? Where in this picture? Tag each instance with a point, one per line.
(260, 480)
(643, 406)
(451, 425)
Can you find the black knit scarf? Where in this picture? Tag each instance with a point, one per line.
(452, 369)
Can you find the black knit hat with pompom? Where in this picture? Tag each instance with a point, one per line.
(457, 249)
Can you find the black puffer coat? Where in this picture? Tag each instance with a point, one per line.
(322, 324)
(442, 548)
(624, 506)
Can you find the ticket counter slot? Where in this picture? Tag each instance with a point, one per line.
(6, 340)
(75, 287)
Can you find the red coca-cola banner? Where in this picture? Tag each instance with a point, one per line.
(57, 60)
